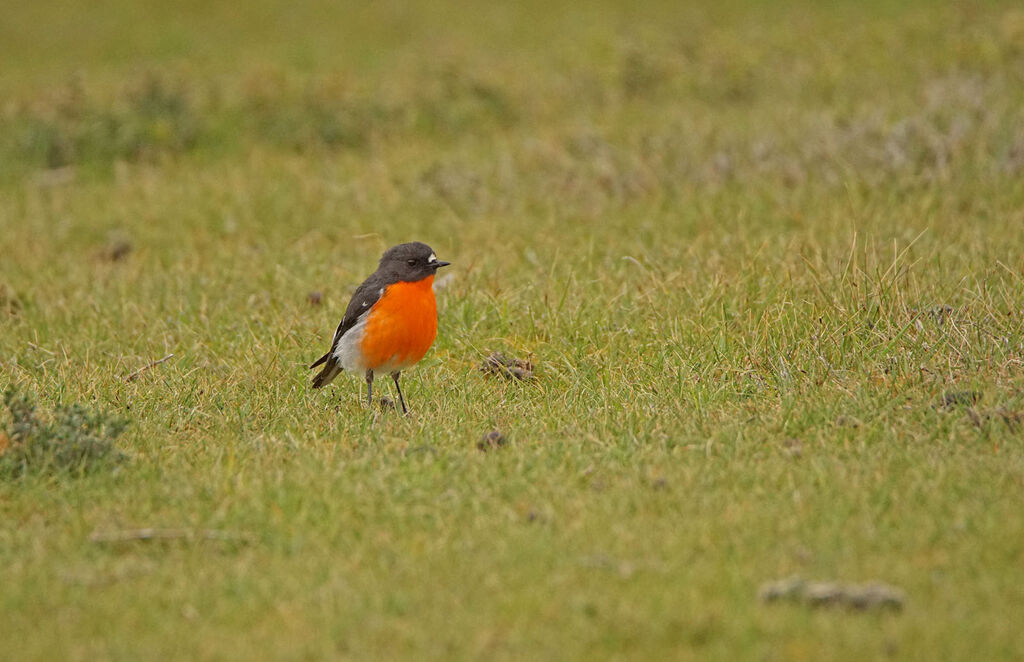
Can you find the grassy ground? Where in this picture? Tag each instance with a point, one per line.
(750, 248)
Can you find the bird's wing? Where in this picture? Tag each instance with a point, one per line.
(362, 300)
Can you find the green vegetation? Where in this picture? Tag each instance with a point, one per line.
(767, 260)
(76, 441)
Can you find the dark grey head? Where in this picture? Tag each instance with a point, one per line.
(409, 262)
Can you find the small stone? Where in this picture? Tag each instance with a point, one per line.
(315, 298)
(387, 403)
(845, 421)
(492, 440)
(497, 363)
(117, 250)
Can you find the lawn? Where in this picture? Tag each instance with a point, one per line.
(767, 260)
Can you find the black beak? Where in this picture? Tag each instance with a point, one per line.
(439, 264)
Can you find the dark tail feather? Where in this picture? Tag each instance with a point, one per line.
(321, 360)
(330, 371)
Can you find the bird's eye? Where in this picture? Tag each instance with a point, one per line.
(411, 262)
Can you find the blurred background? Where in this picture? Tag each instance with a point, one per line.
(624, 98)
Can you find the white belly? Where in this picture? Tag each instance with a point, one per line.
(347, 352)
(350, 356)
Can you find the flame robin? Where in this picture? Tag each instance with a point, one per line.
(390, 322)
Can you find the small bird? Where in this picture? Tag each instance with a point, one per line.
(390, 322)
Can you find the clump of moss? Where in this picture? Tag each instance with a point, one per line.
(74, 440)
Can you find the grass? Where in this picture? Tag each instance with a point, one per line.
(750, 248)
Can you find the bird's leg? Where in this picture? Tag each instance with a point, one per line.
(369, 388)
(395, 375)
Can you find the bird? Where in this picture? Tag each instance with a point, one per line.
(391, 321)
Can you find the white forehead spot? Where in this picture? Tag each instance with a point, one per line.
(432, 258)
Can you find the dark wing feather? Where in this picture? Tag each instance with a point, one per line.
(362, 300)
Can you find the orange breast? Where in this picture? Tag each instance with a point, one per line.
(401, 326)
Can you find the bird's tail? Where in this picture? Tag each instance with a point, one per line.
(330, 371)
(321, 360)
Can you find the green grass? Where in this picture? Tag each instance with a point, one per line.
(725, 234)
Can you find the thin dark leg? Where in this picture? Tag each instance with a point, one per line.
(369, 388)
(395, 376)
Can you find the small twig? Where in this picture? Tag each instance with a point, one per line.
(135, 375)
(41, 349)
(131, 535)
